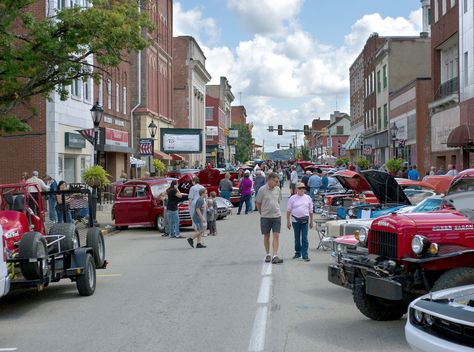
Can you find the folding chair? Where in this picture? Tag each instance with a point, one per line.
(320, 233)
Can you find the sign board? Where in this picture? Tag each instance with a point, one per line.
(181, 140)
(212, 131)
(232, 149)
(367, 149)
(145, 146)
(74, 140)
(233, 133)
(116, 137)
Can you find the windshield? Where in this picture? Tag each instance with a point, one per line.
(464, 185)
(416, 196)
(429, 204)
(156, 190)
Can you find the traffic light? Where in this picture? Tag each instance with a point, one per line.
(324, 132)
(226, 132)
(291, 145)
(280, 130)
(270, 129)
(278, 146)
(306, 130)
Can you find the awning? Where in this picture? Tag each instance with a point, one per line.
(352, 142)
(177, 157)
(161, 155)
(461, 136)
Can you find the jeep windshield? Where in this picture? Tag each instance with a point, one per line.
(463, 185)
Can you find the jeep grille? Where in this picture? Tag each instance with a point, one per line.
(383, 243)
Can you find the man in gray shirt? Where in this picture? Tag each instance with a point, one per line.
(268, 205)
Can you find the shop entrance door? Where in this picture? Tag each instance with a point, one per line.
(70, 170)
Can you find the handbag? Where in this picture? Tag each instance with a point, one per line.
(302, 220)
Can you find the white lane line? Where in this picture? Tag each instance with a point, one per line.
(264, 293)
(8, 349)
(267, 269)
(257, 340)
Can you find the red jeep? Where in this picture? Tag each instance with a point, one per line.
(411, 254)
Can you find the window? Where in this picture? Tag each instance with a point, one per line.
(117, 97)
(209, 113)
(373, 81)
(126, 192)
(443, 6)
(76, 88)
(339, 130)
(124, 97)
(385, 78)
(83, 167)
(379, 85)
(385, 116)
(466, 69)
(109, 94)
(61, 4)
(379, 118)
(465, 7)
(453, 2)
(436, 10)
(100, 98)
(87, 89)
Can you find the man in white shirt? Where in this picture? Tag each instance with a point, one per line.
(452, 170)
(39, 182)
(193, 196)
(293, 179)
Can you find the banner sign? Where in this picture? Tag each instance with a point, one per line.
(145, 146)
(212, 131)
(74, 140)
(116, 137)
(233, 133)
(181, 140)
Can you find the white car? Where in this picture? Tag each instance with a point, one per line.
(442, 321)
(4, 279)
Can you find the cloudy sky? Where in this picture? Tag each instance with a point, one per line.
(288, 60)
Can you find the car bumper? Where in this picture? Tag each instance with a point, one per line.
(420, 341)
(4, 286)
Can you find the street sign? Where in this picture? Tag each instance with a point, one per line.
(233, 133)
(232, 149)
(212, 131)
(367, 149)
(145, 146)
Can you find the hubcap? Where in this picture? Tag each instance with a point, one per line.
(101, 248)
(90, 274)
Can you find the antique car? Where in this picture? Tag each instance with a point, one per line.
(210, 178)
(411, 254)
(34, 257)
(138, 203)
(224, 208)
(442, 321)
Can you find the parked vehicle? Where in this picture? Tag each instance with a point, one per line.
(224, 208)
(412, 254)
(442, 321)
(31, 257)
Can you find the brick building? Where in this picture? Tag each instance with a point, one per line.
(338, 133)
(189, 89)
(317, 141)
(238, 115)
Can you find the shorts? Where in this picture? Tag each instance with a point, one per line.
(270, 224)
(199, 226)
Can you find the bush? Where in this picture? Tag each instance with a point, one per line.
(394, 165)
(342, 161)
(159, 166)
(363, 163)
(96, 176)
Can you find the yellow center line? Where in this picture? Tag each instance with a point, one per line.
(109, 275)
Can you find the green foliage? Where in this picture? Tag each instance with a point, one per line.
(159, 166)
(342, 161)
(96, 176)
(363, 163)
(38, 57)
(243, 148)
(394, 165)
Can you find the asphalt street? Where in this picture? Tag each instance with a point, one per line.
(159, 294)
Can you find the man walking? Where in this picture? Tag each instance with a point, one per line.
(413, 174)
(293, 179)
(268, 205)
(452, 170)
(193, 196)
(314, 183)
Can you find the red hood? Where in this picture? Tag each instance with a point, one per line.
(352, 180)
(210, 177)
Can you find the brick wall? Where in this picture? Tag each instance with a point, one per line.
(180, 82)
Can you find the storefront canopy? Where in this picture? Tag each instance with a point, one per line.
(161, 155)
(177, 157)
(461, 136)
(352, 142)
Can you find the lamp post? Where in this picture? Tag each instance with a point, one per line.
(361, 142)
(394, 129)
(339, 148)
(152, 127)
(97, 111)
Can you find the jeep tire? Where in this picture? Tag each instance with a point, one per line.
(70, 241)
(85, 283)
(33, 246)
(374, 307)
(160, 223)
(95, 240)
(453, 278)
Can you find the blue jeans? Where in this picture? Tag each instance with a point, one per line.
(53, 216)
(301, 238)
(225, 195)
(245, 199)
(60, 214)
(173, 222)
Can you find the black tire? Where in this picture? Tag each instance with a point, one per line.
(160, 223)
(86, 282)
(121, 227)
(71, 240)
(33, 246)
(453, 278)
(95, 240)
(374, 307)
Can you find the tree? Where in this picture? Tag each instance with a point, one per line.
(243, 147)
(38, 57)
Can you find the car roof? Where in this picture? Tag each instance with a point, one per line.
(149, 181)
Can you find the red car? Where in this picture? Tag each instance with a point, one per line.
(138, 203)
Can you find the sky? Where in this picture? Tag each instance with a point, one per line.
(288, 60)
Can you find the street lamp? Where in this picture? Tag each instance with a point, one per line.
(394, 129)
(361, 142)
(339, 148)
(152, 127)
(97, 111)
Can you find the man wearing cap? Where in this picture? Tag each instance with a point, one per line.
(245, 192)
(300, 214)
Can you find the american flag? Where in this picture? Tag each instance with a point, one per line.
(145, 146)
(88, 134)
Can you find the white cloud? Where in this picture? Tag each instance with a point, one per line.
(193, 23)
(265, 16)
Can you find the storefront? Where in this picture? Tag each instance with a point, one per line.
(376, 148)
(114, 151)
(442, 123)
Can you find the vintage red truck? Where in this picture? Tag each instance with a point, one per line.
(412, 254)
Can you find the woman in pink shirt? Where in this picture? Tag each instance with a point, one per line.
(300, 214)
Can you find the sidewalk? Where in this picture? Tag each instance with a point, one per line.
(104, 218)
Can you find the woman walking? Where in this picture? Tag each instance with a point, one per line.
(300, 214)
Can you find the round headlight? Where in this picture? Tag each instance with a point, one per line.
(418, 316)
(363, 235)
(428, 319)
(418, 244)
(350, 212)
(325, 201)
(339, 248)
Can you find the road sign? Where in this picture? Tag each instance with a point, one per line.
(145, 146)
(233, 133)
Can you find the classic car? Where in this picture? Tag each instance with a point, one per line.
(138, 203)
(442, 321)
(411, 254)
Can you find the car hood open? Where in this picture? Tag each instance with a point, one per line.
(385, 187)
(352, 180)
(210, 177)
